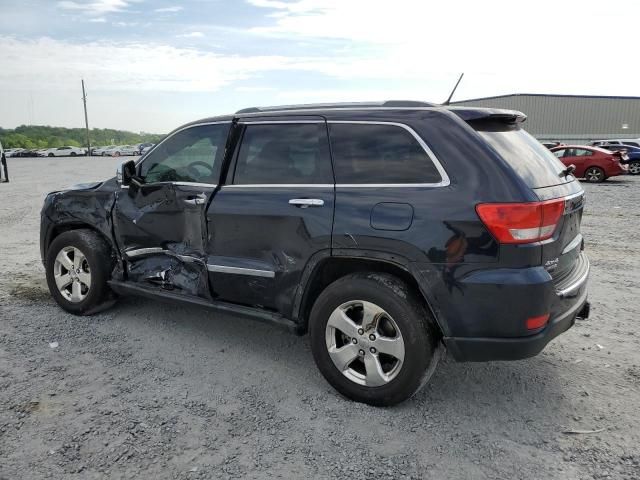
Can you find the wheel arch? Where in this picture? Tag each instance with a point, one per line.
(329, 268)
(57, 229)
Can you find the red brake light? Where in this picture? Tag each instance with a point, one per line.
(521, 222)
(534, 323)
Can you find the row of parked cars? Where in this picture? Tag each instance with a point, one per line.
(122, 150)
(68, 151)
(600, 159)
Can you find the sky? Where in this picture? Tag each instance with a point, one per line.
(152, 65)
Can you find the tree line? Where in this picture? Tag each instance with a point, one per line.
(39, 136)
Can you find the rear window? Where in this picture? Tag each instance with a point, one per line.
(379, 154)
(531, 160)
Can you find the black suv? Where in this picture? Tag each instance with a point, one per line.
(384, 230)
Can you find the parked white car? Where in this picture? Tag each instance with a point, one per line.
(99, 150)
(64, 152)
(10, 152)
(122, 150)
(147, 148)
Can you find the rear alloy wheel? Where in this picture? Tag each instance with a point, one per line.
(594, 175)
(373, 339)
(634, 167)
(369, 352)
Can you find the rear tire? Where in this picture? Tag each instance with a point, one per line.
(73, 154)
(594, 175)
(78, 266)
(634, 167)
(388, 346)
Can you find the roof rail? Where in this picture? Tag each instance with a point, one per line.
(307, 106)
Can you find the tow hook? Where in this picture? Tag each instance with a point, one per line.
(583, 314)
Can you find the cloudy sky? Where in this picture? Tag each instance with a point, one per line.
(150, 65)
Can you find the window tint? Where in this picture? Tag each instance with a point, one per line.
(192, 155)
(284, 153)
(632, 144)
(364, 153)
(559, 153)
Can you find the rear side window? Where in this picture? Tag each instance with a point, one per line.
(284, 154)
(534, 163)
(379, 154)
(580, 152)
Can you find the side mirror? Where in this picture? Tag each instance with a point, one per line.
(125, 173)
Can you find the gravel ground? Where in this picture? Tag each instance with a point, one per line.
(151, 389)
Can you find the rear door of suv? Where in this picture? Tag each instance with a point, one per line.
(274, 212)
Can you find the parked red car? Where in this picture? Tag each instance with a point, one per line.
(592, 163)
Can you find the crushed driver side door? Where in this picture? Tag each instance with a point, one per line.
(160, 225)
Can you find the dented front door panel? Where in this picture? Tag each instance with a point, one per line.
(161, 233)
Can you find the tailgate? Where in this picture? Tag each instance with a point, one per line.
(562, 254)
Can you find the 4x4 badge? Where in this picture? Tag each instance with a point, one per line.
(551, 264)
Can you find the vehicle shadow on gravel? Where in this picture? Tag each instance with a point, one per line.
(519, 391)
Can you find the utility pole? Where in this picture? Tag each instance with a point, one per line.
(86, 118)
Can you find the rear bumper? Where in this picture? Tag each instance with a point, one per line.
(471, 349)
(501, 333)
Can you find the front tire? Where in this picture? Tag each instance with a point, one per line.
(78, 265)
(634, 167)
(373, 339)
(594, 175)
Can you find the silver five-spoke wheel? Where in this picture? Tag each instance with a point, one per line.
(365, 343)
(594, 174)
(72, 275)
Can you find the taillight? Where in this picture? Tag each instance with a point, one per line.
(521, 222)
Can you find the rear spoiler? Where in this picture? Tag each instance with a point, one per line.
(470, 114)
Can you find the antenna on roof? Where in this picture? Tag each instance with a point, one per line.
(454, 90)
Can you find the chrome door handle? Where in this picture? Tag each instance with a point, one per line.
(306, 202)
(199, 199)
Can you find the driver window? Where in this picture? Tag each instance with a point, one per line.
(191, 155)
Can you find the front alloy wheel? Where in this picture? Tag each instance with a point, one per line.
(364, 343)
(634, 168)
(72, 274)
(78, 265)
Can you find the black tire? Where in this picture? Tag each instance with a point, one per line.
(100, 261)
(73, 154)
(417, 328)
(634, 167)
(50, 155)
(594, 175)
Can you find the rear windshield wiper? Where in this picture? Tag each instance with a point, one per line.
(567, 171)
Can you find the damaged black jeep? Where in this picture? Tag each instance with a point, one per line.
(384, 230)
